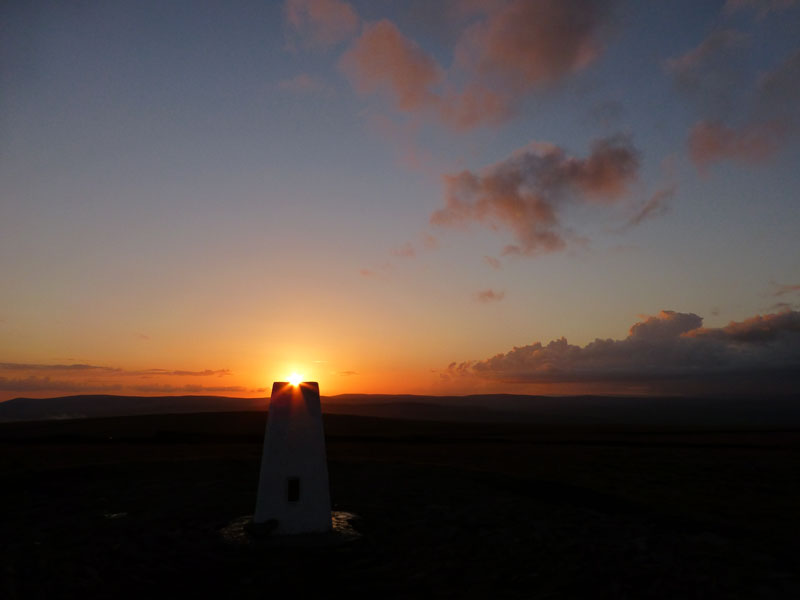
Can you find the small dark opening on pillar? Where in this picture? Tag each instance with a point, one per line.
(293, 489)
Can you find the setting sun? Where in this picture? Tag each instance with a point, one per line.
(295, 379)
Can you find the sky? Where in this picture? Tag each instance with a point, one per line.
(453, 197)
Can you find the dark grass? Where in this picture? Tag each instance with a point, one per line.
(133, 507)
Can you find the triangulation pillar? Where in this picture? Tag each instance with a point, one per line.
(293, 487)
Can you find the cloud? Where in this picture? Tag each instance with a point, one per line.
(87, 370)
(515, 48)
(518, 47)
(607, 113)
(760, 329)
(786, 289)
(763, 7)
(507, 50)
(35, 384)
(188, 388)
(486, 296)
(383, 60)
(79, 367)
(38, 378)
(87, 377)
(43, 384)
(429, 242)
(493, 262)
(322, 23)
(347, 373)
(654, 207)
(405, 251)
(524, 193)
(203, 373)
(523, 44)
(665, 346)
(778, 92)
(302, 83)
(475, 105)
(712, 72)
(766, 112)
(377, 271)
(782, 306)
(712, 141)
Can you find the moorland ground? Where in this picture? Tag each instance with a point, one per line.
(130, 507)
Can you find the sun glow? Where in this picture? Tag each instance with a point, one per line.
(295, 379)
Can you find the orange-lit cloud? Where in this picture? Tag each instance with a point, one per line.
(506, 50)
(486, 296)
(517, 47)
(383, 60)
(525, 192)
(322, 23)
(711, 141)
(664, 346)
(760, 329)
(31, 384)
(23, 378)
(476, 105)
(523, 44)
(84, 368)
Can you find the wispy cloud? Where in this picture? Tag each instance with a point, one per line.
(493, 262)
(86, 368)
(79, 367)
(654, 207)
(762, 7)
(783, 289)
(377, 271)
(765, 112)
(405, 251)
(85, 378)
(303, 83)
(712, 74)
(489, 295)
(712, 141)
(165, 388)
(180, 373)
(321, 23)
(34, 384)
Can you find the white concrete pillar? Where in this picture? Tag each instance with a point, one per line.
(293, 486)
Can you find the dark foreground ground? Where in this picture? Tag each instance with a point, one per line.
(133, 508)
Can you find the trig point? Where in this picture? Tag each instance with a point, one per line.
(293, 486)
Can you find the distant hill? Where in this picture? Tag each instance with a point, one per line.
(89, 406)
(783, 412)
